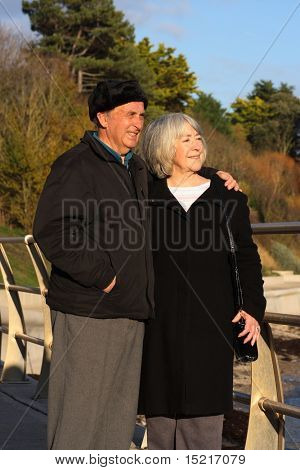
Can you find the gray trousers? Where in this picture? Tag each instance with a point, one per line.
(197, 433)
(94, 382)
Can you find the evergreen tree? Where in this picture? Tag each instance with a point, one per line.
(264, 89)
(285, 88)
(268, 116)
(277, 133)
(94, 37)
(250, 113)
(174, 82)
(208, 108)
(87, 34)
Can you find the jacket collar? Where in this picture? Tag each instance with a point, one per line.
(115, 154)
(102, 152)
(97, 147)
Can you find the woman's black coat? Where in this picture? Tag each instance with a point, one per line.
(188, 356)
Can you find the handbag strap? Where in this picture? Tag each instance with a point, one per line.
(234, 264)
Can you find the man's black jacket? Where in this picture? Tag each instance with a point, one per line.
(92, 224)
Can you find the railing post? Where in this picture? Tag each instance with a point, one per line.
(144, 444)
(14, 369)
(265, 428)
(43, 280)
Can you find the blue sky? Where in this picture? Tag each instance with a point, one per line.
(223, 40)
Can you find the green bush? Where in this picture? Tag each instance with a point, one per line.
(285, 257)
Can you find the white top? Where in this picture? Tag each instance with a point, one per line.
(187, 195)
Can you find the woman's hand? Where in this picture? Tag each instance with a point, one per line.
(230, 182)
(252, 328)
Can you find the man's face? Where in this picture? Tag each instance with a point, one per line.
(122, 126)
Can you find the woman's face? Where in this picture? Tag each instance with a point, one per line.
(189, 148)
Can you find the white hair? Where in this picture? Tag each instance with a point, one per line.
(158, 145)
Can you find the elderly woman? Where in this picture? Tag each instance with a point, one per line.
(187, 371)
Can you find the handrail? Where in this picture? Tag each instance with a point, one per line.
(274, 228)
(288, 410)
(282, 319)
(268, 405)
(14, 369)
(11, 240)
(264, 432)
(30, 339)
(29, 290)
(267, 408)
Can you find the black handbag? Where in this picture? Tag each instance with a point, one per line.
(243, 352)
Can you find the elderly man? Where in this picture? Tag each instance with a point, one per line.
(92, 226)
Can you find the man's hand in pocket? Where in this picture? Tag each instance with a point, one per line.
(111, 285)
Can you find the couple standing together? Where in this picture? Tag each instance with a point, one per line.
(140, 289)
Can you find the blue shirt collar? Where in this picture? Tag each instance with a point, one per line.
(117, 156)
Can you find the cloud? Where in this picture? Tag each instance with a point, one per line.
(11, 16)
(226, 2)
(144, 11)
(232, 66)
(135, 13)
(173, 7)
(165, 15)
(171, 29)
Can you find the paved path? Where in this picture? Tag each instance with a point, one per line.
(23, 422)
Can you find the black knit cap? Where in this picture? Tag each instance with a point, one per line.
(111, 93)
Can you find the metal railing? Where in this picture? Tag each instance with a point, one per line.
(14, 368)
(276, 228)
(267, 407)
(266, 425)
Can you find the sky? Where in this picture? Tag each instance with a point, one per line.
(229, 44)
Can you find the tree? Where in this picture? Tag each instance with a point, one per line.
(10, 50)
(268, 116)
(174, 82)
(264, 89)
(250, 113)
(40, 118)
(207, 108)
(272, 180)
(93, 36)
(87, 34)
(285, 88)
(277, 133)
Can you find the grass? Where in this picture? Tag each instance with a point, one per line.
(19, 258)
(285, 257)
